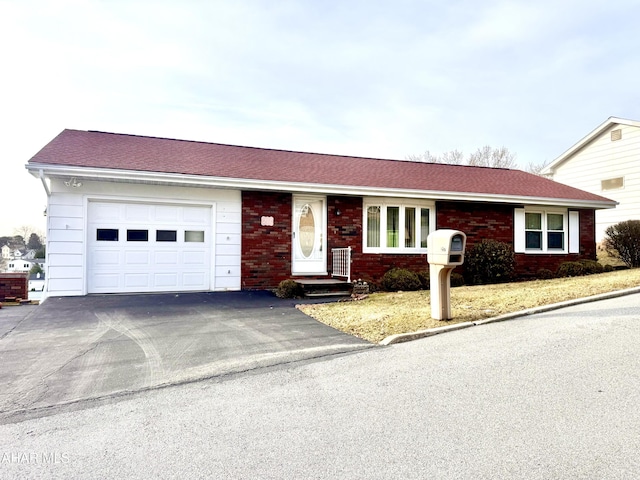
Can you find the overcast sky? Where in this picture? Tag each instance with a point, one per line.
(370, 78)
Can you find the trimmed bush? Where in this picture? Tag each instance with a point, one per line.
(424, 278)
(570, 269)
(591, 267)
(490, 261)
(289, 289)
(400, 279)
(544, 274)
(457, 280)
(622, 241)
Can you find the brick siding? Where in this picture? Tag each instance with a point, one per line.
(14, 285)
(266, 251)
(480, 221)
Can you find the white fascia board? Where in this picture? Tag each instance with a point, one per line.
(549, 169)
(157, 178)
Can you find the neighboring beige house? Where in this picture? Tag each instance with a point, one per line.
(605, 162)
(6, 252)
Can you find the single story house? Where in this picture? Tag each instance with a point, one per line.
(606, 161)
(36, 282)
(129, 213)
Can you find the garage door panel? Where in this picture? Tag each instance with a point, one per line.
(105, 257)
(197, 216)
(138, 213)
(165, 280)
(107, 281)
(170, 251)
(136, 280)
(106, 212)
(166, 257)
(194, 257)
(168, 214)
(137, 258)
(193, 279)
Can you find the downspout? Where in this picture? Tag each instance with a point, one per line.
(45, 290)
(44, 182)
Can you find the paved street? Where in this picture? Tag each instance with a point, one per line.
(551, 395)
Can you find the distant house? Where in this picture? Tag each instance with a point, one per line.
(6, 252)
(605, 162)
(36, 282)
(29, 254)
(24, 265)
(18, 265)
(127, 213)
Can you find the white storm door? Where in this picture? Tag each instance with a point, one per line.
(309, 236)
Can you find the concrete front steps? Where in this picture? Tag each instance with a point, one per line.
(324, 287)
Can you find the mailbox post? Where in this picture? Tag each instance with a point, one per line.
(445, 251)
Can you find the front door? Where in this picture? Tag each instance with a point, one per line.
(309, 236)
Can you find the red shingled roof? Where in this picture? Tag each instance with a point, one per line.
(76, 148)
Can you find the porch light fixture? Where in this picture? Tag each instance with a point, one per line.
(72, 182)
(338, 212)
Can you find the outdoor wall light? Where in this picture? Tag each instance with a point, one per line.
(72, 182)
(338, 212)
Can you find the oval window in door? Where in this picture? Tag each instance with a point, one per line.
(306, 231)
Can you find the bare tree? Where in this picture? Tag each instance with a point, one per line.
(426, 157)
(492, 157)
(454, 157)
(536, 168)
(483, 157)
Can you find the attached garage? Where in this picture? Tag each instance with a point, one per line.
(148, 247)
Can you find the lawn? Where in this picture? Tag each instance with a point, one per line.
(383, 314)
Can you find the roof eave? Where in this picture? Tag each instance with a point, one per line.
(549, 169)
(101, 174)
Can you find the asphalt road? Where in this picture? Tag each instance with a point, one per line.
(552, 395)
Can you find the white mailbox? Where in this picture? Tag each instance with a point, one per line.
(445, 251)
(446, 247)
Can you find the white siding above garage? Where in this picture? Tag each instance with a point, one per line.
(68, 232)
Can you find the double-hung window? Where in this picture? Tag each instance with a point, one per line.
(540, 230)
(396, 225)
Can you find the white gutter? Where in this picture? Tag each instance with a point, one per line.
(102, 174)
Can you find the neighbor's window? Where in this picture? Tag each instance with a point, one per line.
(396, 227)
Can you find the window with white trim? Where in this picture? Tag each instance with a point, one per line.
(543, 230)
(396, 225)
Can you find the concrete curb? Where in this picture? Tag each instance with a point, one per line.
(407, 337)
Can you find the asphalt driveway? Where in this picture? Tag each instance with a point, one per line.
(74, 348)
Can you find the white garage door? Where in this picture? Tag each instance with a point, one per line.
(140, 247)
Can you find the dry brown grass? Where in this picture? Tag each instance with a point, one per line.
(384, 314)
